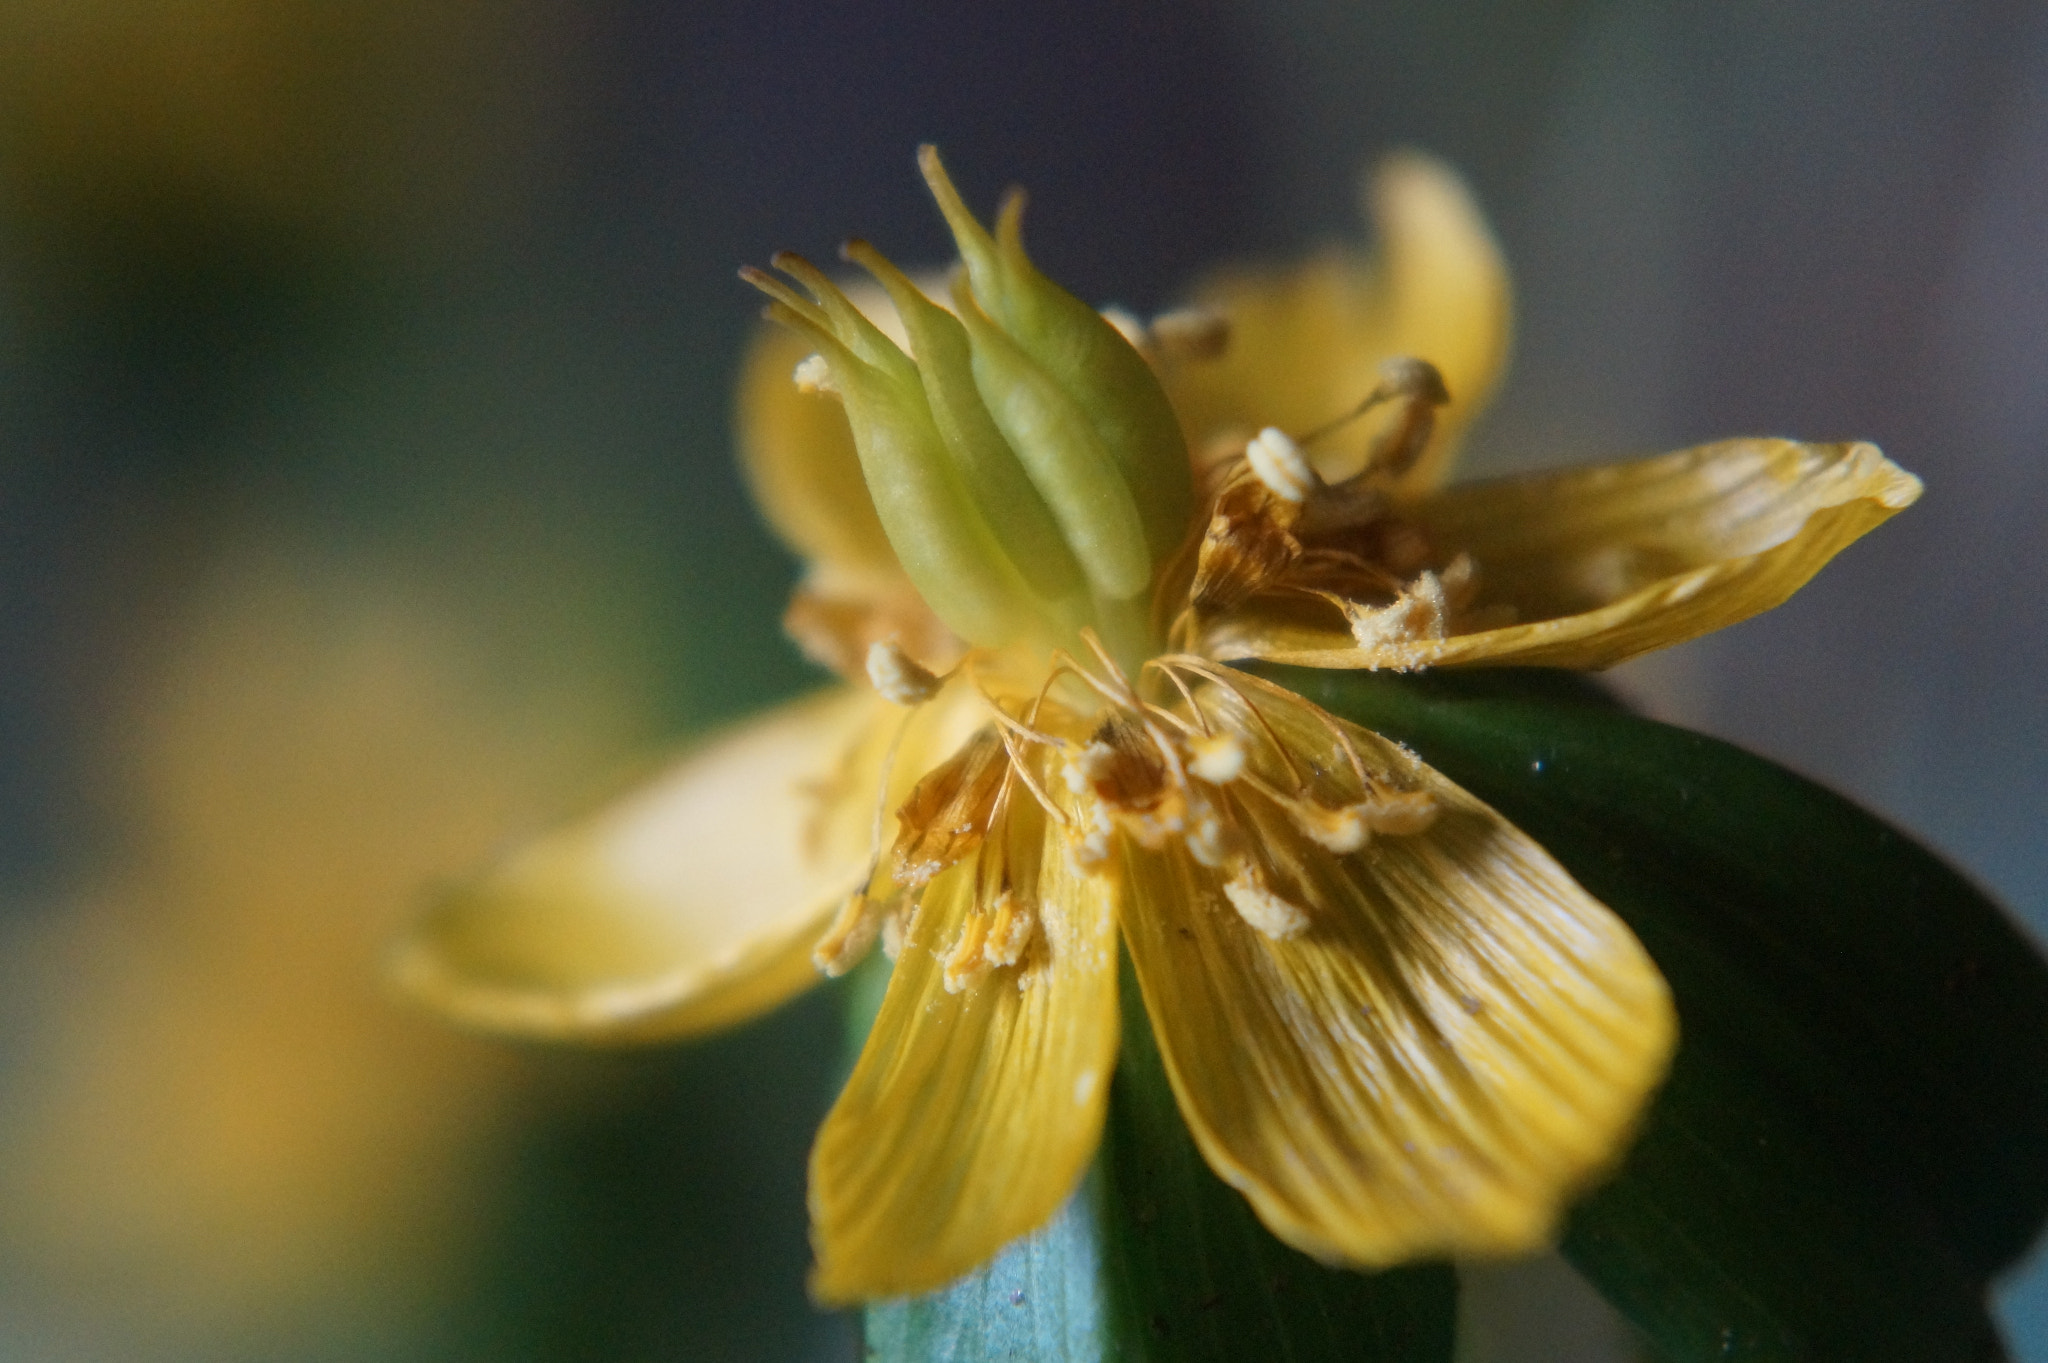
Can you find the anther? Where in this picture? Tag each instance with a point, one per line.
(813, 375)
(1217, 758)
(1279, 463)
(1009, 936)
(899, 677)
(1093, 762)
(847, 941)
(966, 963)
(1089, 839)
(1405, 376)
(1211, 839)
(1422, 612)
(1264, 910)
(1419, 387)
(1342, 830)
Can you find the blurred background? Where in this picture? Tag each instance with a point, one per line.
(366, 499)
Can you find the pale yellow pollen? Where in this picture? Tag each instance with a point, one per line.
(1278, 462)
(1210, 839)
(1342, 830)
(1009, 936)
(1217, 758)
(1422, 612)
(1153, 828)
(1191, 333)
(1264, 910)
(898, 677)
(892, 934)
(847, 941)
(813, 375)
(1088, 840)
(1073, 774)
(1091, 763)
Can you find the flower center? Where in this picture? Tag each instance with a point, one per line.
(1201, 766)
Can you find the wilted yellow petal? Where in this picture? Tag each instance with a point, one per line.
(972, 1114)
(1600, 564)
(1457, 1039)
(690, 904)
(1306, 342)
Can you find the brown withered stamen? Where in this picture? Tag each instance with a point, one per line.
(1419, 387)
(1246, 549)
(1346, 544)
(1121, 766)
(948, 812)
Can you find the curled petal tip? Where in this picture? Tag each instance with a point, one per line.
(1901, 490)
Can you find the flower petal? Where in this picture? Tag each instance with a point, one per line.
(690, 904)
(1306, 343)
(972, 1115)
(1457, 1040)
(1600, 564)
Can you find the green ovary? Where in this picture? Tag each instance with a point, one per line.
(1026, 466)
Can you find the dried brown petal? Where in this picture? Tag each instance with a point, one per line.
(947, 814)
(1247, 548)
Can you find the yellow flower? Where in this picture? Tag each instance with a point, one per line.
(1390, 1019)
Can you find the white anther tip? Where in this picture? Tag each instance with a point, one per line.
(1265, 911)
(899, 677)
(1278, 462)
(1216, 758)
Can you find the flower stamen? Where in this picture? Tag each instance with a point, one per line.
(1280, 466)
(1217, 758)
(1341, 830)
(1010, 934)
(1165, 670)
(1201, 667)
(1259, 906)
(967, 963)
(898, 677)
(1419, 386)
(847, 942)
(1420, 613)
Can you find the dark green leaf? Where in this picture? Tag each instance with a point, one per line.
(1855, 1132)
(1155, 1260)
